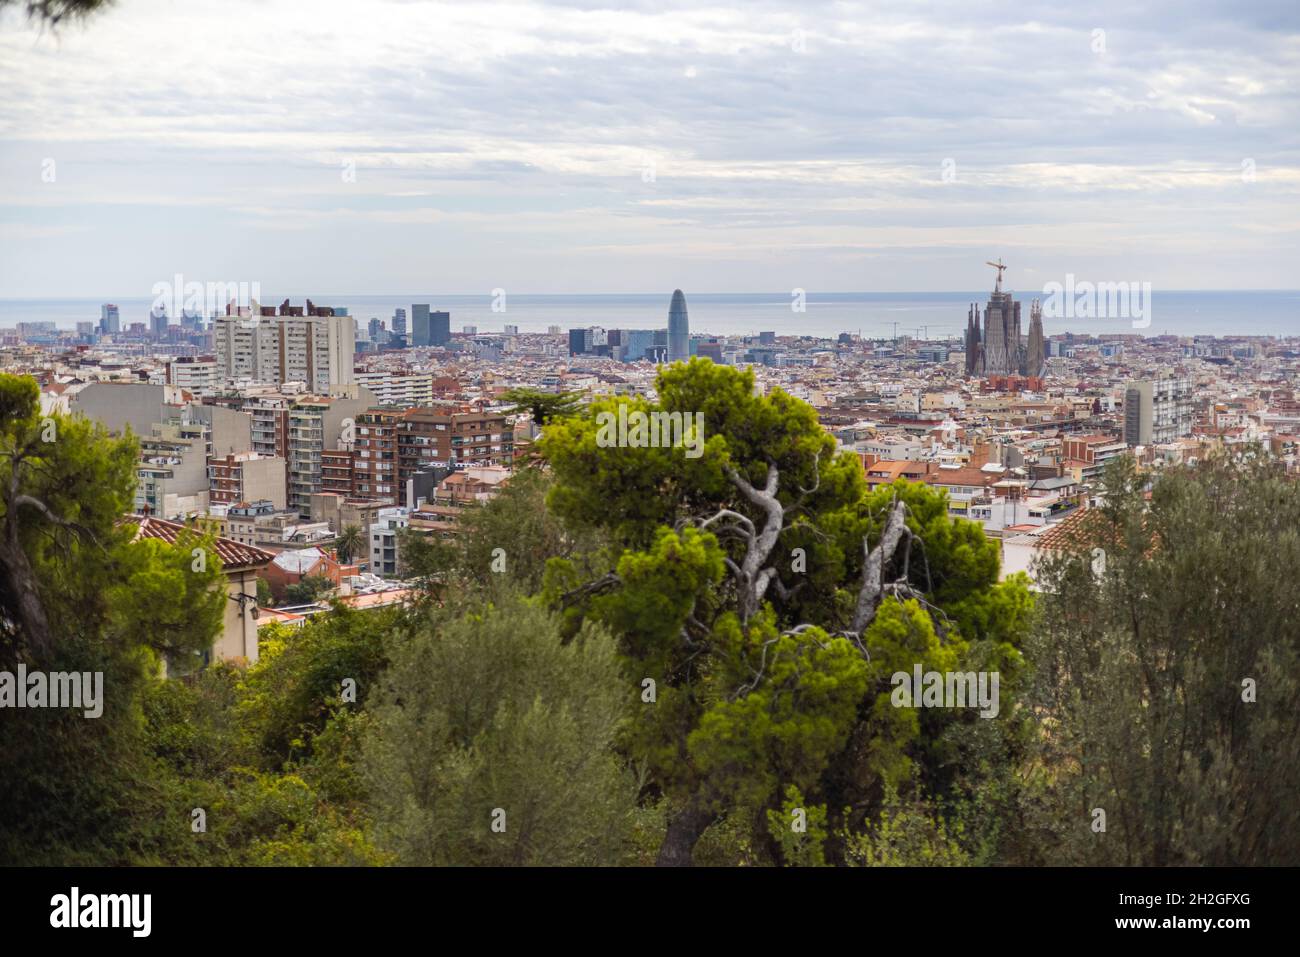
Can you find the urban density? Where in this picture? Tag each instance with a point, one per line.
(279, 427)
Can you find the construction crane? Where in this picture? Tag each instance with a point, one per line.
(999, 267)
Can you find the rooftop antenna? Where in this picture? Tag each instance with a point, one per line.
(999, 267)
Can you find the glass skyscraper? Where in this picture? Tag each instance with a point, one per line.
(679, 346)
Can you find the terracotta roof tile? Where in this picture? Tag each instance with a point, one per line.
(232, 554)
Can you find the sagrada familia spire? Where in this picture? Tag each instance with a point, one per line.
(997, 348)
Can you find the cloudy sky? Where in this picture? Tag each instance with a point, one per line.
(390, 147)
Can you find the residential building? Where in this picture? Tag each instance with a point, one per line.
(241, 564)
(246, 477)
(384, 549)
(1157, 411)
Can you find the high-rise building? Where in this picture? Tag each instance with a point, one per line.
(399, 322)
(158, 323)
(376, 329)
(420, 324)
(679, 347)
(317, 423)
(317, 348)
(553, 330)
(1157, 411)
(374, 464)
(109, 319)
(635, 343)
(578, 342)
(439, 328)
(511, 330)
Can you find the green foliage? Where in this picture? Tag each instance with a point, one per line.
(799, 830)
(544, 407)
(788, 726)
(298, 683)
(491, 712)
(748, 708)
(78, 594)
(351, 542)
(1140, 677)
(516, 521)
(308, 591)
(907, 834)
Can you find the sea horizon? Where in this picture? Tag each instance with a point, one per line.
(929, 315)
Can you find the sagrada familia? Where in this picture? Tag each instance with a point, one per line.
(998, 349)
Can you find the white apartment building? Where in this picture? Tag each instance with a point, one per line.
(398, 389)
(384, 558)
(200, 377)
(316, 350)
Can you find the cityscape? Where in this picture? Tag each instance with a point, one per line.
(697, 513)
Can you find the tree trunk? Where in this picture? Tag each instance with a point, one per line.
(685, 828)
(22, 597)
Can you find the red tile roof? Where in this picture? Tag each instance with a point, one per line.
(232, 554)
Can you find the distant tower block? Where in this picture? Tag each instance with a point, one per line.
(679, 345)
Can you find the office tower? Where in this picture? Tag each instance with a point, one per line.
(1157, 411)
(420, 324)
(376, 330)
(439, 328)
(679, 348)
(109, 320)
(399, 322)
(578, 342)
(470, 330)
(635, 343)
(512, 330)
(553, 330)
(158, 323)
(767, 338)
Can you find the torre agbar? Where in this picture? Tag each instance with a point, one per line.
(679, 340)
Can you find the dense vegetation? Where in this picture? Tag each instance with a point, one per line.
(632, 656)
